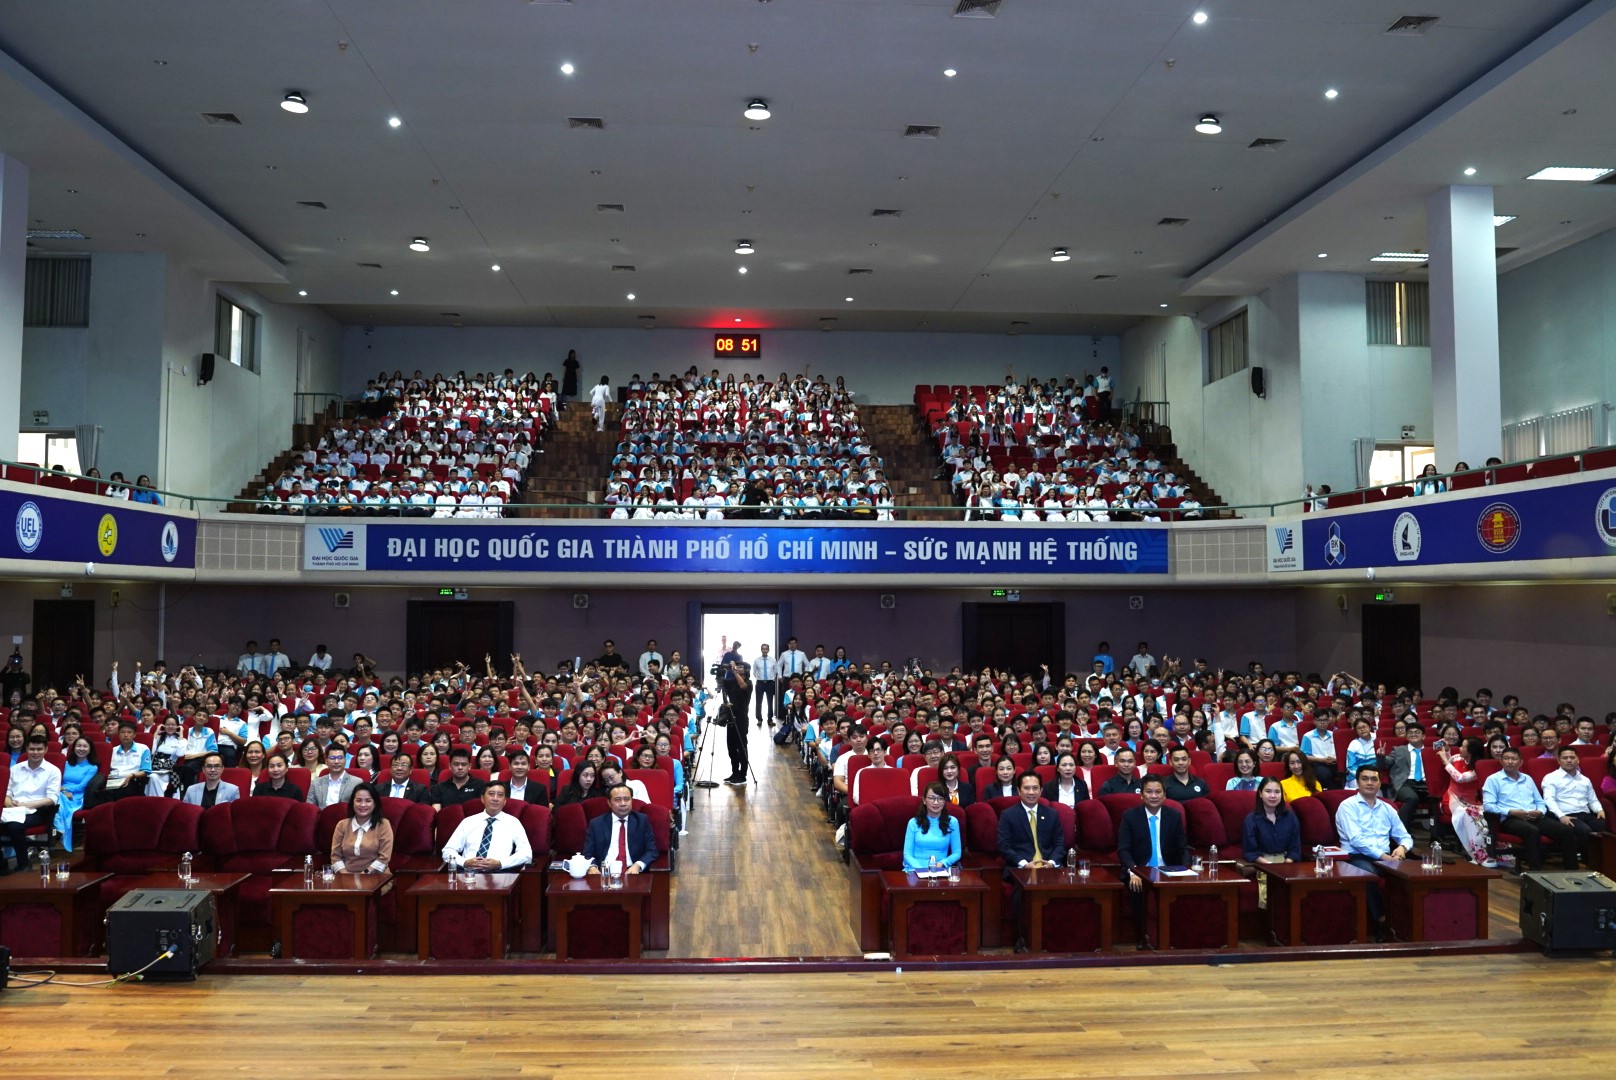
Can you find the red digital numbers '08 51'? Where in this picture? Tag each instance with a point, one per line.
(737, 345)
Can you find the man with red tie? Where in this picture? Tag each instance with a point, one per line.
(622, 837)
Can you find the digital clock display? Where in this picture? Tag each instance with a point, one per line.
(747, 345)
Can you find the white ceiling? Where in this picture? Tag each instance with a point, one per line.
(1069, 123)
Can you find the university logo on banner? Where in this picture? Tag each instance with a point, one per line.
(1499, 527)
(1605, 517)
(1406, 538)
(334, 547)
(1284, 547)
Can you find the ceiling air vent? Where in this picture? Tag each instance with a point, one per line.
(594, 122)
(449, 314)
(313, 205)
(1105, 277)
(56, 234)
(646, 318)
(1174, 221)
(370, 266)
(860, 270)
(608, 208)
(1499, 253)
(886, 213)
(228, 119)
(977, 9)
(922, 131)
(827, 318)
(622, 268)
(1267, 146)
(1608, 178)
(1019, 322)
(1411, 25)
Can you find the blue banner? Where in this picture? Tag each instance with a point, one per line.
(1569, 521)
(735, 548)
(49, 528)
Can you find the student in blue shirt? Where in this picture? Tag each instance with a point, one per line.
(1511, 803)
(932, 833)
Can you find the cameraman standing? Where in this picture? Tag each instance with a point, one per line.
(734, 680)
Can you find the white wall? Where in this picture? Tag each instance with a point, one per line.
(219, 435)
(106, 373)
(1557, 330)
(881, 368)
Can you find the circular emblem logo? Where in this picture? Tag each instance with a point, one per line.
(170, 542)
(1406, 537)
(106, 535)
(1605, 517)
(1498, 528)
(30, 527)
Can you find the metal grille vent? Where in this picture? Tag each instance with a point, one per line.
(977, 9)
(228, 119)
(1266, 145)
(594, 122)
(609, 208)
(313, 204)
(1411, 25)
(1174, 222)
(922, 131)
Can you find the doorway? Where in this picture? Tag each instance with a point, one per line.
(1391, 644)
(64, 642)
(1019, 638)
(440, 632)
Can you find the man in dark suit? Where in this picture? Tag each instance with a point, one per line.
(1150, 835)
(623, 836)
(1020, 844)
(1408, 779)
(400, 781)
(525, 787)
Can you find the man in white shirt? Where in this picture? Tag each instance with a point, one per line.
(321, 660)
(31, 796)
(793, 661)
(763, 671)
(649, 655)
(248, 662)
(492, 840)
(1570, 796)
(274, 660)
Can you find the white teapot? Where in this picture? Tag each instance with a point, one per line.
(577, 866)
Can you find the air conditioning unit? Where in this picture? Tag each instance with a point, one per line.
(340, 600)
(580, 601)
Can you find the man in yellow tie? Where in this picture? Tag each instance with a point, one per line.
(1029, 832)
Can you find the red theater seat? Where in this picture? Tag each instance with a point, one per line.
(256, 837)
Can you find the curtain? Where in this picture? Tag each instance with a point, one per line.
(1363, 455)
(89, 441)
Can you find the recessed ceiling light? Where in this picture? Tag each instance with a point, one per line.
(1567, 172)
(1502, 219)
(757, 110)
(740, 269)
(1470, 171)
(849, 299)
(164, 63)
(1199, 18)
(294, 102)
(1400, 256)
(1164, 305)
(393, 122)
(566, 69)
(744, 247)
(420, 244)
(394, 292)
(1332, 93)
(1324, 254)
(1060, 255)
(737, 320)
(1209, 125)
(950, 72)
(302, 292)
(495, 268)
(631, 296)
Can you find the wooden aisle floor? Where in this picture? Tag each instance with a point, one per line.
(759, 874)
(1516, 1015)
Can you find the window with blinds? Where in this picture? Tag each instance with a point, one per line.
(56, 292)
(1399, 312)
(1226, 347)
(235, 335)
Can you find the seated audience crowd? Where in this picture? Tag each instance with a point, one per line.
(1048, 451)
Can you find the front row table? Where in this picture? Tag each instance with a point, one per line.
(1064, 912)
(1449, 904)
(1306, 907)
(593, 904)
(54, 917)
(1200, 912)
(326, 920)
(226, 890)
(910, 895)
(454, 912)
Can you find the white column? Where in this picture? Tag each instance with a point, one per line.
(1466, 411)
(13, 265)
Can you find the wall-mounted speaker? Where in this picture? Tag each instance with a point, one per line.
(580, 601)
(204, 369)
(1610, 603)
(340, 600)
(1259, 383)
(1341, 601)
(889, 602)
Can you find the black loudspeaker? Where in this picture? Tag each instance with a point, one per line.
(1259, 385)
(146, 923)
(1568, 909)
(204, 369)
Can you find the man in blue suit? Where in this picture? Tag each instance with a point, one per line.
(623, 836)
(1150, 835)
(1019, 844)
(210, 790)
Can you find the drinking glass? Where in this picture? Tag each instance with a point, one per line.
(1083, 869)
